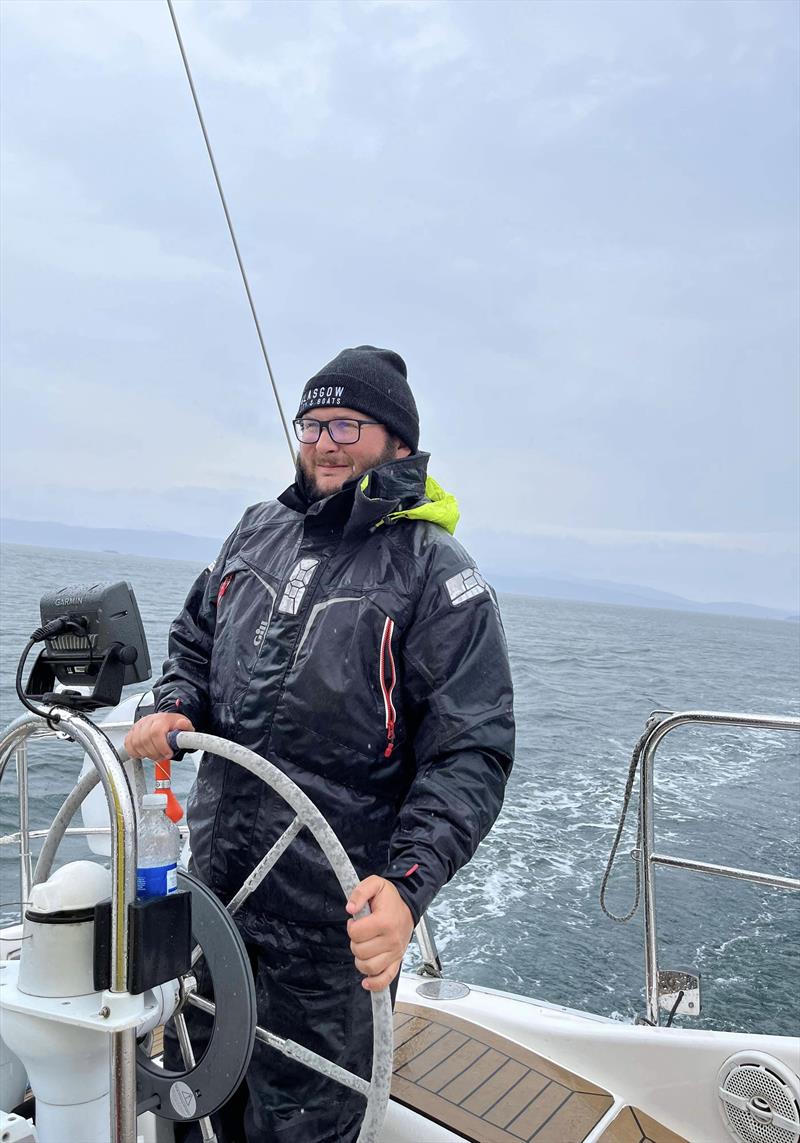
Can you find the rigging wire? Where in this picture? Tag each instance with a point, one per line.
(231, 230)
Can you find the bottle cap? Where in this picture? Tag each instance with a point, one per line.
(154, 801)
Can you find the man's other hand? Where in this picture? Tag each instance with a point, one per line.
(378, 942)
(147, 738)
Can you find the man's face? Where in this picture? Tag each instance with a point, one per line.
(327, 465)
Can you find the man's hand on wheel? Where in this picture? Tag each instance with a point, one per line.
(147, 738)
(378, 942)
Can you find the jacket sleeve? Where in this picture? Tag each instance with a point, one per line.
(183, 686)
(459, 712)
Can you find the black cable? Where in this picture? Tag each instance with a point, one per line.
(55, 627)
(23, 698)
(50, 630)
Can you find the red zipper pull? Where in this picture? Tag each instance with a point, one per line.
(390, 740)
(223, 587)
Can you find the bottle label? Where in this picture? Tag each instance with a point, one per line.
(156, 881)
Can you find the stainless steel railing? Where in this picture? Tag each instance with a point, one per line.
(649, 858)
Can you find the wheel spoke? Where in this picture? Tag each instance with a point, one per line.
(185, 1043)
(297, 1052)
(206, 1128)
(265, 864)
(259, 873)
(313, 1060)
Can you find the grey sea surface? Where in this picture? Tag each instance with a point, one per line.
(524, 914)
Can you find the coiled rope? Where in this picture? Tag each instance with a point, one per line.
(633, 769)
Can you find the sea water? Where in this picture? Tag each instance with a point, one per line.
(524, 914)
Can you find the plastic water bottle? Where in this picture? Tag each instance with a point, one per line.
(159, 843)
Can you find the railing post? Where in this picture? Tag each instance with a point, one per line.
(431, 964)
(25, 868)
(123, 891)
(648, 877)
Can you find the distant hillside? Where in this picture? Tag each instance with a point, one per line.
(166, 545)
(176, 545)
(633, 595)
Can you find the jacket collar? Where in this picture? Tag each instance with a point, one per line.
(366, 500)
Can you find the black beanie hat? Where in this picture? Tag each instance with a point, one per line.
(372, 381)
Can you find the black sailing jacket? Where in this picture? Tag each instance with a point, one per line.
(355, 645)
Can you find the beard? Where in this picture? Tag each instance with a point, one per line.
(307, 482)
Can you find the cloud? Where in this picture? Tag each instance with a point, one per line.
(227, 45)
(430, 37)
(293, 71)
(191, 443)
(113, 36)
(77, 239)
(86, 451)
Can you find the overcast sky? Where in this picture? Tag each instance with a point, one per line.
(578, 222)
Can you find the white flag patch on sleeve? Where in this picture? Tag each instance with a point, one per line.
(466, 585)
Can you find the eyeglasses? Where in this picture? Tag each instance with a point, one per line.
(308, 431)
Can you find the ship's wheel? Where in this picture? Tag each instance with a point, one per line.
(210, 1077)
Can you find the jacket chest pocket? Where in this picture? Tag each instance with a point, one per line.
(344, 684)
(245, 604)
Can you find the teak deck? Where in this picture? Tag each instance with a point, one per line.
(485, 1087)
(491, 1090)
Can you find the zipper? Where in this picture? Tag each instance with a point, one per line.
(388, 678)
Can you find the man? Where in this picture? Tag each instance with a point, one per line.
(346, 636)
